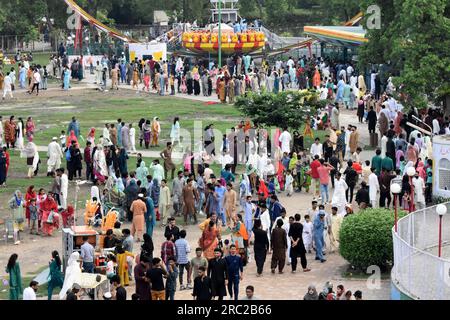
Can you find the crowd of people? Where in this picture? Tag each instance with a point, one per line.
(246, 204)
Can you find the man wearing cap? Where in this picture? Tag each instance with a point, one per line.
(54, 154)
(138, 207)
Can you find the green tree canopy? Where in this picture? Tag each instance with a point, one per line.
(414, 39)
(286, 109)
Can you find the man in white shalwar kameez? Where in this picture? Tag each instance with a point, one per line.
(132, 139)
(384, 141)
(334, 226)
(157, 171)
(374, 187)
(339, 200)
(285, 140)
(308, 233)
(348, 154)
(64, 188)
(261, 164)
(106, 132)
(265, 221)
(253, 159)
(419, 189)
(54, 154)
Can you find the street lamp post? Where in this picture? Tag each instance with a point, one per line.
(395, 189)
(411, 171)
(441, 209)
(220, 35)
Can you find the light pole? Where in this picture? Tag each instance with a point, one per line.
(411, 171)
(220, 34)
(395, 189)
(441, 209)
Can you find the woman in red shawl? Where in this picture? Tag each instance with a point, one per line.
(316, 79)
(280, 175)
(50, 216)
(398, 121)
(263, 188)
(31, 194)
(71, 137)
(91, 136)
(247, 126)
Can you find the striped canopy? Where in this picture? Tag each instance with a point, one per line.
(338, 35)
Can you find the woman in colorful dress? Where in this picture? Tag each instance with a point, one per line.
(209, 240)
(156, 129)
(147, 133)
(29, 128)
(17, 206)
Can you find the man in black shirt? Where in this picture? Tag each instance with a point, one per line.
(297, 246)
(351, 177)
(218, 271)
(110, 241)
(327, 148)
(155, 276)
(372, 120)
(172, 229)
(202, 286)
(334, 162)
(362, 196)
(121, 293)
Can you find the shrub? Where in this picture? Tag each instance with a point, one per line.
(366, 238)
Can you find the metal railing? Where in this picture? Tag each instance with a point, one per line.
(418, 271)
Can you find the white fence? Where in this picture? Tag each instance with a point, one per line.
(418, 271)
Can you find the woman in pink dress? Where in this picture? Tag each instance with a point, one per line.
(29, 128)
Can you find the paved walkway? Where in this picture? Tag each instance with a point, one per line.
(276, 287)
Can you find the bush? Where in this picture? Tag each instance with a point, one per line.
(366, 238)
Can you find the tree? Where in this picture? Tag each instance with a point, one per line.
(288, 108)
(414, 39)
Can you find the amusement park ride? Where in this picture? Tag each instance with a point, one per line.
(219, 38)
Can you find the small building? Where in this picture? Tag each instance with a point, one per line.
(441, 166)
